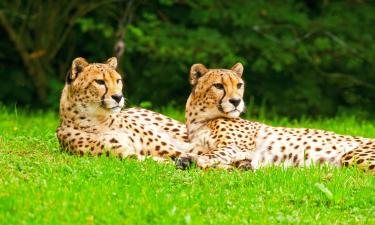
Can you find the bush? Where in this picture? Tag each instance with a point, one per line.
(300, 57)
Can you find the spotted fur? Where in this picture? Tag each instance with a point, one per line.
(92, 120)
(222, 139)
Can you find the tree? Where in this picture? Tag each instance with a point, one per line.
(39, 29)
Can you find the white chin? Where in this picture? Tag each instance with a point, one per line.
(115, 110)
(234, 114)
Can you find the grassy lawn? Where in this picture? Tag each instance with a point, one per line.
(41, 185)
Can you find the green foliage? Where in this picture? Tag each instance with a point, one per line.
(89, 25)
(41, 185)
(300, 57)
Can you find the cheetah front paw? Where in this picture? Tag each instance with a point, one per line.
(184, 162)
(244, 164)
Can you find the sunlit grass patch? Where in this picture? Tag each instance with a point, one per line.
(41, 185)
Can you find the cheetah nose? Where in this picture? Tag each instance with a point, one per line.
(117, 97)
(235, 101)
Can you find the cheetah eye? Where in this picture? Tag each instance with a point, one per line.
(219, 86)
(239, 85)
(100, 82)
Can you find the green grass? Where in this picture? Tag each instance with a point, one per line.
(41, 185)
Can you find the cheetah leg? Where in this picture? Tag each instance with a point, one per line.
(119, 144)
(165, 152)
(363, 157)
(226, 157)
(162, 147)
(79, 142)
(110, 144)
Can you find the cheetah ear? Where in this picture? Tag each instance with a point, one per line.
(77, 66)
(112, 62)
(197, 71)
(238, 69)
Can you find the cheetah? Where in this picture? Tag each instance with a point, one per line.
(222, 139)
(92, 120)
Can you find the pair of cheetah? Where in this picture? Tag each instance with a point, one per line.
(92, 122)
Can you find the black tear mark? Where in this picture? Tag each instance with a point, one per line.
(103, 96)
(221, 99)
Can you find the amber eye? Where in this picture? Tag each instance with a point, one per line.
(239, 85)
(219, 86)
(100, 82)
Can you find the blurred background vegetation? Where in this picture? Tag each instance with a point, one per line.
(313, 58)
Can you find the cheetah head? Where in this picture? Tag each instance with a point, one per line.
(95, 87)
(216, 92)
